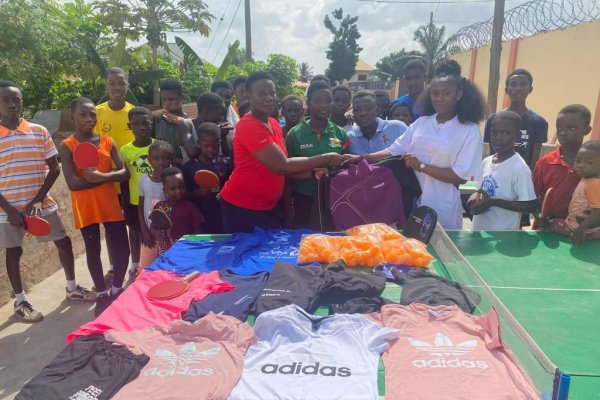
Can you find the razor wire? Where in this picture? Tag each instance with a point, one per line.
(527, 19)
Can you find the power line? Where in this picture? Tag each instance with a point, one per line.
(217, 30)
(227, 33)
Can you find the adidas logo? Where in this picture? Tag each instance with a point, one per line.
(296, 368)
(442, 348)
(179, 364)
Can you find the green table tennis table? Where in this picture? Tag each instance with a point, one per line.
(552, 288)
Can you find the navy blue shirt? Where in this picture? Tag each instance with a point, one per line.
(534, 130)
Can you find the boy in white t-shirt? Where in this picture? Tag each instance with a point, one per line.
(506, 187)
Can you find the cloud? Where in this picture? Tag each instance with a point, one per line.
(296, 27)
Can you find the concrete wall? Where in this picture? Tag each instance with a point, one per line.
(40, 260)
(565, 65)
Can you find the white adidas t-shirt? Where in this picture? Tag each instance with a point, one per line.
(508, 180)
(302, 356)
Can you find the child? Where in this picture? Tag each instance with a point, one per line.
(94, 197)
(160, 156)
(401, 112)
(583, 221)
(243, 108)
(555, 169)
(239, 89)
(209, 159)
(506, 188)
(112, 120)
(342, 98)
(414, 76)
(225, 91)
(211, 108)
(292, 109)
(135, 157)
(166, 125)
(185, 216)
(313, 137)
(29, 167)
(383, 103)
(534, 129)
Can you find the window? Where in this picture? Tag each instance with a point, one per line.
(362, 77)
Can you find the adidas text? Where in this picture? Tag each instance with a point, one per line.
(296, 368)
(452, 363)
(179, 371)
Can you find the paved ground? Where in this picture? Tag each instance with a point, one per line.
(26, 348)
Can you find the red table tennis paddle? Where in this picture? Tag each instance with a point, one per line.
(206, 179)
(34, 224)
(548, 202)
(170, 289)
(86, 155)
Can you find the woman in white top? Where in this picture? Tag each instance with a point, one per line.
(444, 145)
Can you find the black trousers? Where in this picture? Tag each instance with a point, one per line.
(237, 219)
(118, 243)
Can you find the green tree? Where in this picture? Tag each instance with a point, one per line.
(135, 19)
(305, 71)
(284, 71)
(391, 67)
(344, 49)
(434, 45)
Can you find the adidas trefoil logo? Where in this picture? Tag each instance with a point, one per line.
(443, 348)
(179, 364)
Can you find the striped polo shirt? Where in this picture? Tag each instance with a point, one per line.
(23, 169)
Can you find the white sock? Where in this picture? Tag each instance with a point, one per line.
(21, 297)
(115, 290)
(71, 285)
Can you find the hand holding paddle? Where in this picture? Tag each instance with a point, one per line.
(170, 289)
(34, 224)
(206, 179)
(542, 222)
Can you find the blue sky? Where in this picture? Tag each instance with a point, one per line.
(296, 27)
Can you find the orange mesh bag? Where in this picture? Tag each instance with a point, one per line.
(377, 232)
(409, 252)
(361, 252)
(319, 248)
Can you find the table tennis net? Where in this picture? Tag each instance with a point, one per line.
(532, 359)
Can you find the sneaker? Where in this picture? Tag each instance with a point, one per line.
(25, 312)
(81, 294)
(103, 301)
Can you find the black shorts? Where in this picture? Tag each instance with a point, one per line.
(88, 367)
(130, 213)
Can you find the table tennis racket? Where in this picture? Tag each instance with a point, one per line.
(206, 179)
(86, 155)
(170, 289)
(159, 220)
(421, 224)
(34, 224)
(548, 202)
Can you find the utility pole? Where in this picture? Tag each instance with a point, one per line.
(248, 30)
(495, 52)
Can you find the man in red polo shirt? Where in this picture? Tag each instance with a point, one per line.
(555, 169)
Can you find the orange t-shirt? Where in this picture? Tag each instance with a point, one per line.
(99, 204)
(585, 197)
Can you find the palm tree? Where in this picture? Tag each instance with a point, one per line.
(134, 19)
(434, 45)
(305, 71)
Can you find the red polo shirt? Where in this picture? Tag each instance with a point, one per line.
(552, 172)
(252, 185)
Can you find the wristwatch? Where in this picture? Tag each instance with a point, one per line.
(421, 167)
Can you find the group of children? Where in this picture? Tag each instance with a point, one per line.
(148, 162)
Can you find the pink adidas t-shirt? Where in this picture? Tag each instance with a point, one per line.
(203, 360)
(134, 310)
(443, 353)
